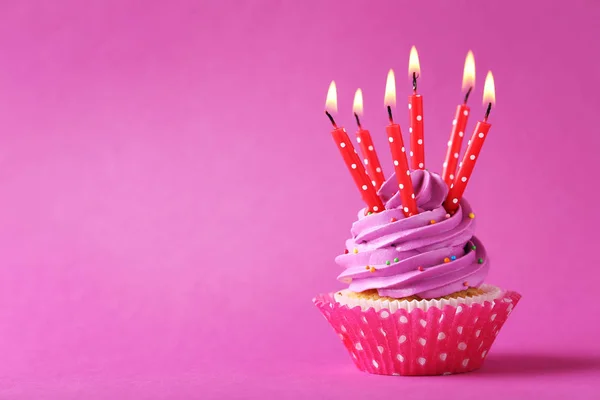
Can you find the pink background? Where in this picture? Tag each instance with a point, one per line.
(171, 200)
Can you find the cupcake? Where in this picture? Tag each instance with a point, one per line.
(416, 302)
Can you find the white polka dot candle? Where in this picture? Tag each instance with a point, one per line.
(415, 114)
(365, 142)
(459, 123)
(405, 187)
(481, 131)
(350, 156)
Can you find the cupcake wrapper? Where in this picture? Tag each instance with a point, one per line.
(451, 340)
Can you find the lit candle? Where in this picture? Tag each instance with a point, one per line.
(350, 156)
(407, 195)
(415, 114)
(363, 137)
(457, 188)
(459, 123)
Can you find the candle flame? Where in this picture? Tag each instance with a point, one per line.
(390, 90)
(331, 102)
(413, 62)
(469, 72)
(489, 89)
(357, 107)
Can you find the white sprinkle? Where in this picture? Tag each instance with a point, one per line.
(420, 141)
(465, 113)
(453, 122)
(481, 135)
(464, 179)
(378, 169)
(395, 162)
(364, 187)
(391, 139)
(401, 186)
(419, 118)
(421, 165)
(370, 148)
(461, 134)
(472, 156)
(455, 155)
(353, 166)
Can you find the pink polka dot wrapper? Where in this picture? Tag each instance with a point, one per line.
(452, 340)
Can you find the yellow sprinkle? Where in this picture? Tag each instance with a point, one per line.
(355, 251)
(471, 215)
(432, 222)
(372, 269)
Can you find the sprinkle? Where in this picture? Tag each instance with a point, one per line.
(387, 262)
(447, 215)
(393, 219)
(396, 259)
(369, 213)
(465, 283)
(355, 251)
(367, 267)
(471, 215)
(473, 247)
(432, 222)
(480, 261)
(453, 258)
(446, 260)
(421, 269)
(346, 251)
(372, 269)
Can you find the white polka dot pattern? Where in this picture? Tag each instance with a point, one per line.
(385, 343)
(459, 123)
(415, 113)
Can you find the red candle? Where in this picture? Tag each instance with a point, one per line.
(465, 170)
(459, 123)
(350, 156)
(407, 194)
(363, 137)
(415, 114)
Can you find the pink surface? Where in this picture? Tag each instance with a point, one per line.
(166, 169)
(447, 341)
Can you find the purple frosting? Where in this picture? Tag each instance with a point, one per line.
(412, 242)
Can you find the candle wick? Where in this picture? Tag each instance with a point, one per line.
(467, 95)
(389, 109)
(331, 119)
(487, 112)
(415, 82)
(357, 121)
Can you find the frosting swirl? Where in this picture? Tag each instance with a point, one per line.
(411, 255)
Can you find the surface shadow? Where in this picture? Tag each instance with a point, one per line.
(528, 364)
